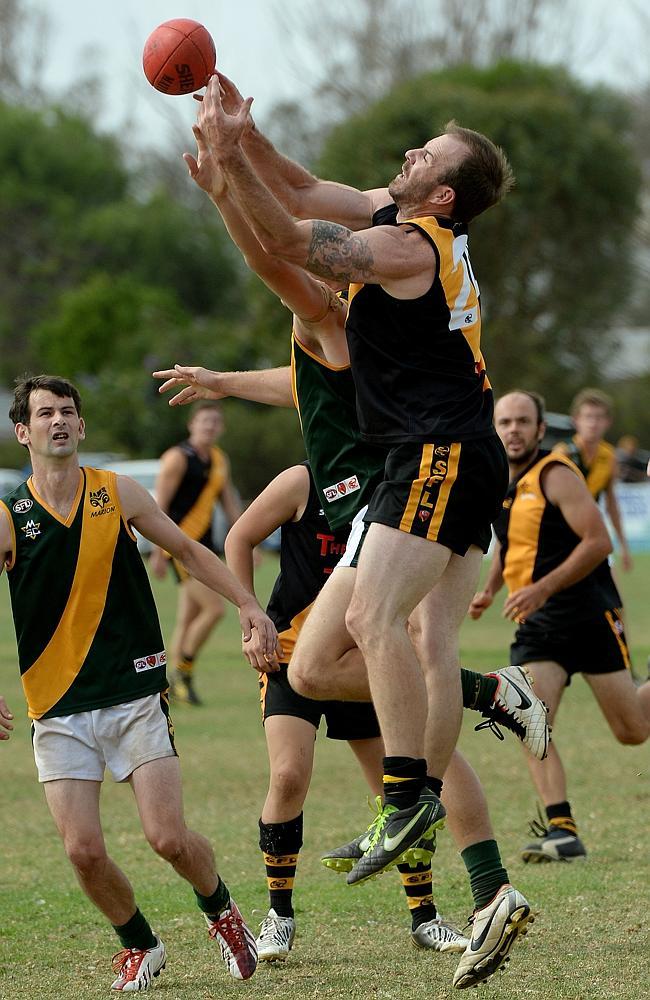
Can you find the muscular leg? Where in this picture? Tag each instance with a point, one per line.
(626, 707)
(548, 775)
(434, 628)
(290, 745)
(74, 806)
(395, 573)
(326, 664)
(468, 818)
(158, 794)
(370, 754)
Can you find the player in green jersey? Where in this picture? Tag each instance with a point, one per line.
(93, 669)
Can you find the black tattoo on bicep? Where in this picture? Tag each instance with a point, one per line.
(338, 253)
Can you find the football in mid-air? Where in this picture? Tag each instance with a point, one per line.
(179, 56)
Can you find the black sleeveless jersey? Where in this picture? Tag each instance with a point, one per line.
(417, 363)
(86, 623)
(192, 506)
(345, 469)
(535, 539)
(309, 551)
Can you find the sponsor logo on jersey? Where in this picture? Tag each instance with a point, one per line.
(150, 662)
(32, 529)
(99, 498)
(424, 515)
(22, 506)
(339, 490)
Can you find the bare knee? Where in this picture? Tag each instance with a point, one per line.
(287, 784)
(629, 735)
(304, 674)
(168, 844)
(86, 856)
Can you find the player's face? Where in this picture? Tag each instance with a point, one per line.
(592, 422)
(515, 419)
(422, 167)
(206, 426)
(54, 429)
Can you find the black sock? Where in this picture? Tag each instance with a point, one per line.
(560, 818)
(404, 779)
(434, 785)
(417, 886)
(215, 904)
(478, 690)
(280, 844)
(136, 933)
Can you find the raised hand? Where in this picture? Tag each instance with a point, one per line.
(221, 131)
(194, 383)
(204, 169)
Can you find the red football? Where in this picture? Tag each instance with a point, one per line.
(179, 56)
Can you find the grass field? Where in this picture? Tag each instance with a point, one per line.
(590, 940)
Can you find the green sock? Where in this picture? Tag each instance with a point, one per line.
(214, 904)
(478, 690)
(485, 870)
(136, 933)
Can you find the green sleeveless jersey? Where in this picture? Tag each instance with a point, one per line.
(346, 469)
(86, 624)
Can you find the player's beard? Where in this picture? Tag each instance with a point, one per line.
(524, 458)
(407, 192)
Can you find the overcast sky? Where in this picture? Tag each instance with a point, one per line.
(107, 38)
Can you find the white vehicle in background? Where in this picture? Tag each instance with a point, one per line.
(144, 471)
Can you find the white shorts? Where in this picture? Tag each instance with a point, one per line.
(354, 539)
(119, 738)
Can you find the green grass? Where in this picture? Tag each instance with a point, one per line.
(590, 939)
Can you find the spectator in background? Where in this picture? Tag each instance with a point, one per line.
(592, 413)
(193, 476)
(631, 467)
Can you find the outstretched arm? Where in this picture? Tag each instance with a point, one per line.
(384, 254)
(271, 385)
(306, 297)
(305, 196)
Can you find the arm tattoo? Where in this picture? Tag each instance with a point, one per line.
(336, 252)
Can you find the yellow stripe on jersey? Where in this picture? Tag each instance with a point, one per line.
(51, 675)
(12, 530)
(613, 622)
(443, 494)
(289, 637)
(199, 517)
(416, 488)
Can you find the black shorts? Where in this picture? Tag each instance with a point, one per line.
(448, 493)
(346, 720)
(594, 646)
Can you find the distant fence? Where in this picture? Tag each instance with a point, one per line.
(634, 502)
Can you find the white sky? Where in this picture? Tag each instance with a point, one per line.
(107, 38)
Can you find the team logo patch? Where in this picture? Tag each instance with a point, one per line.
(22, 506)
(150, 662)
(424, 515)
(339, 490)
(32, 529)
(99, 498)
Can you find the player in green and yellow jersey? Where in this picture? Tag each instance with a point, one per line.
(92, 665)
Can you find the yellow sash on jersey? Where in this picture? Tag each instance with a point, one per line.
(52, 674)
(199, 517)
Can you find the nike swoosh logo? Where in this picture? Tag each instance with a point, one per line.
(391, 843)
(477, 943)
(525, 701)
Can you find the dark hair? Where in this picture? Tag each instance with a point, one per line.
(204, 404)
(536, 398)
(25, 386)
(481, 178)
(592, 397)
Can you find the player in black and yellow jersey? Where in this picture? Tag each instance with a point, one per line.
(413, 331)
(552, 557)
(324, 393)
(592, 412)
(194, 475)
(309, 551)
(92, 665)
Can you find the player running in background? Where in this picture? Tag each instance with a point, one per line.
(323, 412)
(592, 412)
(194, 475)
(92, 665)
(552, 556)
(309, 551)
